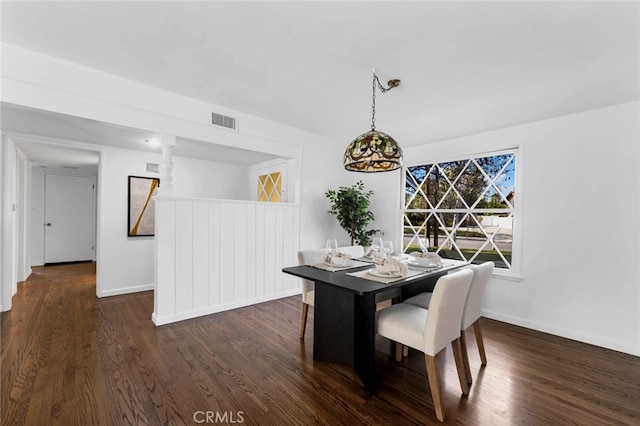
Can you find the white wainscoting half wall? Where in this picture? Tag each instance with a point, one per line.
(216, 255)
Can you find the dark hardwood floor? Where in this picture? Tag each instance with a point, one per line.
(69, 358)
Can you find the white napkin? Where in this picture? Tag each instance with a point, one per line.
(343, 256)
(393, 266)
(427, 259)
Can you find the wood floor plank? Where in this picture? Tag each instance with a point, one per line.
(69, 358)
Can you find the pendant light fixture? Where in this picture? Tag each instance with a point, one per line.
(374, 151)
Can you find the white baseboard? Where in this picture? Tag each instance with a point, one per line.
(125, 290)
(561, 332)
(168, 319)
(27, 274)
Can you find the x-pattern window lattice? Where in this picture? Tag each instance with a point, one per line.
(270, 187)
(463, 209)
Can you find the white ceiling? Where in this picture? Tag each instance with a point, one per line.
(466, 67)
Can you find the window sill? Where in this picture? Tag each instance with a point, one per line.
(507, 276)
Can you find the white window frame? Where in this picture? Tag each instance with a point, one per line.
(515, 272)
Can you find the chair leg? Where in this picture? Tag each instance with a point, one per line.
(303, 321)
(432, 375)
(480, 341)
(398, 352)
(405, 351)
(462, 376)
(465, 356)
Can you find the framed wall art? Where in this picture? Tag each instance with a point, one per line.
(141, 220)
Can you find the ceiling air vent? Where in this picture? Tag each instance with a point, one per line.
(223, 121)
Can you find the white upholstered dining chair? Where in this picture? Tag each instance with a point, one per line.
(472, 311)
(313, 257)
(430, 331)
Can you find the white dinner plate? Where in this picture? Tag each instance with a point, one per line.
(346, 264)
(376, 273)
(417, 265)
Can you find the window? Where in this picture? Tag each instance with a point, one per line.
(269, 181)
(270, 187)
(462, 209)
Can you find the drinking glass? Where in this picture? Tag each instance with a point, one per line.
(332, 248)
(387, 247)
(423, 244)
(376, 245)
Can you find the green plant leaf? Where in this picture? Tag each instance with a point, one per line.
(350, 206)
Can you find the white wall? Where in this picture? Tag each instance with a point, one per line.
(210, 179)
(124, 264)
(580, 229)
(5, 285)
(386, 203)
(37, 216)
(8, 225)
(322, 170)
(23, 237)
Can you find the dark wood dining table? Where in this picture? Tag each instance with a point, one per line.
(345, 308)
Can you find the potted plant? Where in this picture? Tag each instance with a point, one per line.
(350, 205)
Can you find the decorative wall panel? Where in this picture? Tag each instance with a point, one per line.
(215, 255)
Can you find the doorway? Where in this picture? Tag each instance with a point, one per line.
(23, 199)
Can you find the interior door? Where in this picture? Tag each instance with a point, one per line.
(69, 218)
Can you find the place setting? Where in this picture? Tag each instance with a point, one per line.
(386, 267)
(425, 261)
(387, 271)
(335, 260)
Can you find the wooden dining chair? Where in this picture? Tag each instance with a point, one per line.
(430, 331)
(313, 257)
(472, 311)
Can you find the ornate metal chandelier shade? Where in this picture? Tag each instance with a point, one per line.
(374, 151)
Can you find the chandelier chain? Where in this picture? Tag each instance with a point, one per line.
(373, 106)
